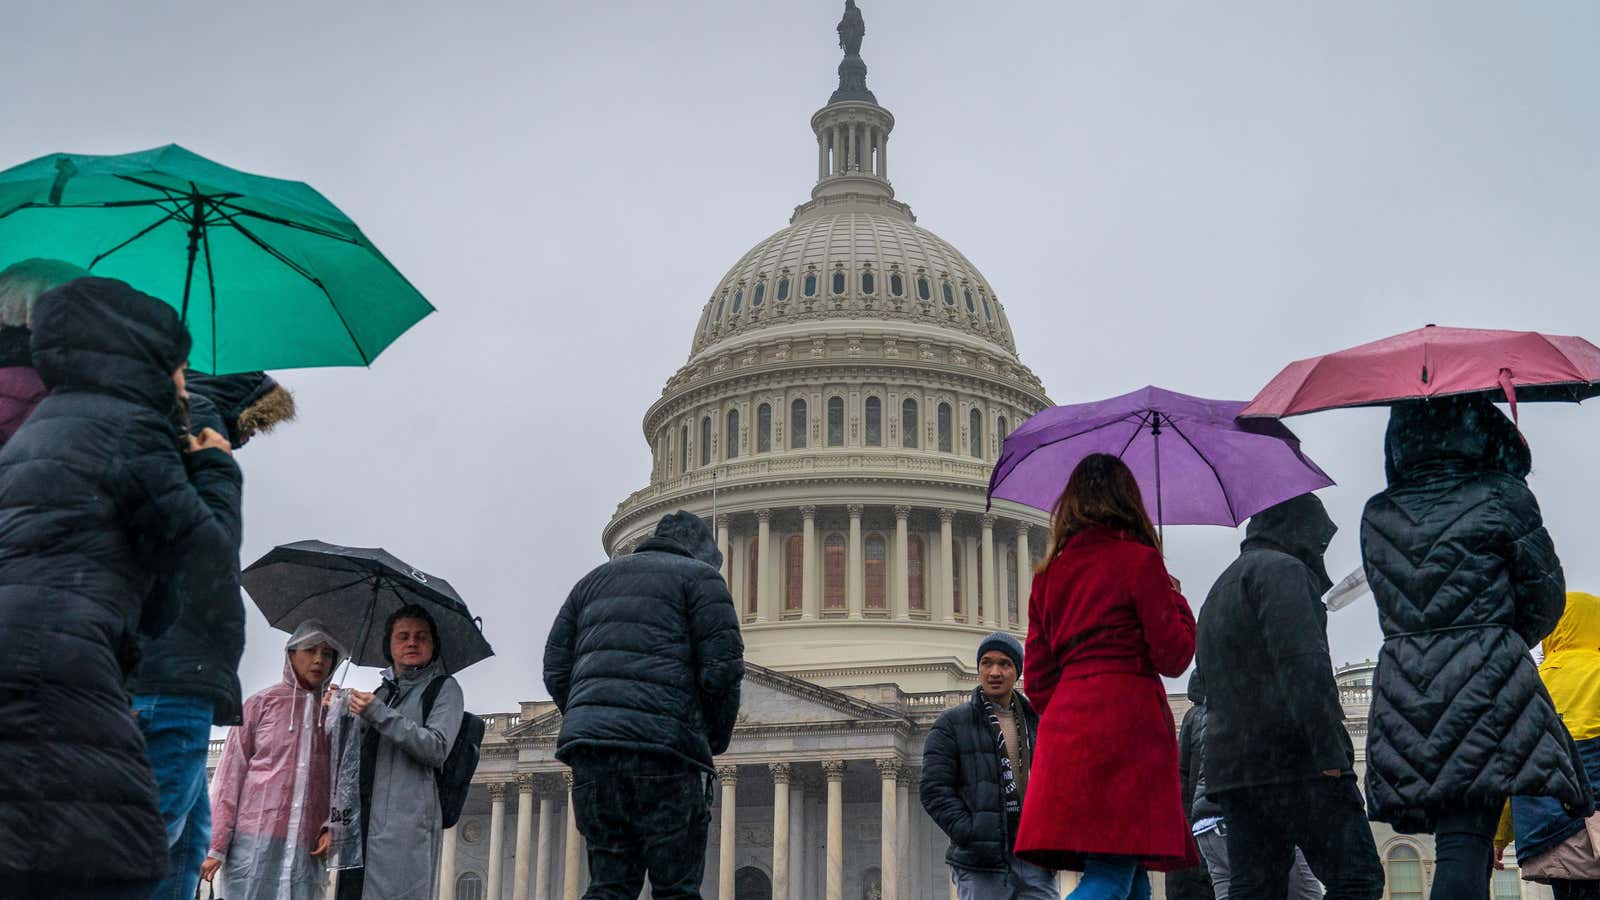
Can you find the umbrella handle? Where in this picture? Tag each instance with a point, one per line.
(366, 627)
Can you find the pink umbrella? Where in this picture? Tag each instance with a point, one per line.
(1435, 362)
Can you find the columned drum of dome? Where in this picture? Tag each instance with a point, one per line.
(844, 397)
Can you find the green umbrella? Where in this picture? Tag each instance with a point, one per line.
(266, 273)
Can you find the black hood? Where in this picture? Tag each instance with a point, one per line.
(100, 334)
(1300, 527)
(14, 346)
(1452, 434)
(1197, 688)
(232, 395)
(687, 534)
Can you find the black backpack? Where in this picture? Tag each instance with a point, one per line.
(454, 778)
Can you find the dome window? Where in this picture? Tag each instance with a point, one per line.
(730, 440)
(838, 282)
(835, 421)
(975, 434)
(944, 428)
(924, 290)
(783, 289)
(764, 428)
(738, 300)
(705, 441)
(809, 286)
(897, 285)
(908, 424)
(759, 294)
(967, 291)
(987, 316)
(949, 295)
(869, 282)
(720, 305)
(874, 422)
(797, 425)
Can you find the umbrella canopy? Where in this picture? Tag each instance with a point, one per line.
(352, 591)
(1435, 362)
(266, 273)
(1195, 463)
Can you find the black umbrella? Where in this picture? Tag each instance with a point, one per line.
(352, 591)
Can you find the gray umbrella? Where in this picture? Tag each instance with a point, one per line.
(352, 591)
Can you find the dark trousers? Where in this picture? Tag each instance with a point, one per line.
(1464, 847)
(1325, 818)
(1576, 890)
(642, 815)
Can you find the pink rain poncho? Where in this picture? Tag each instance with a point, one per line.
(270, 794)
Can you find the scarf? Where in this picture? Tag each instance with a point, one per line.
(1008, 779)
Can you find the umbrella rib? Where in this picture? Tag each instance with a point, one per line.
(152, 227)
(211, 281)
(303, 273)
(1144, 417)
(288, 223)
(1232, 514)
(312, 596)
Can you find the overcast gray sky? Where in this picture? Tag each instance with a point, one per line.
(1183, 194)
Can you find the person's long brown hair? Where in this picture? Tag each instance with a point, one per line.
(1102, 492)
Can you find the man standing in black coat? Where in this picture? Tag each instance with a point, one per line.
(645, 662)
(101, 493)
(188, 678)
(975, 776)
(1278, 759)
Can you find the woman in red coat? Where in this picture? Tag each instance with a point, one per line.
(1106, 621)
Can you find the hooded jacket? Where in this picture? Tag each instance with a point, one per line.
(646, 655)
(199, 655)
(1466, 580)
(1272, 707)
(961, 787)
(96, 502)
(1192, 754)
(270, 794)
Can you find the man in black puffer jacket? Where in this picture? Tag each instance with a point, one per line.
(1466, 580)
(101, 492)
(645, 662)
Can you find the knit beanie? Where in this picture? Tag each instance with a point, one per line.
(1006, 644)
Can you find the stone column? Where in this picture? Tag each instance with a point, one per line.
(947, 568)
(901, 597)
(991, 605)
(497, 837)
(883, 156)
(889, 835)
(822, 156)
(725, 544)
(834, 769)
(763, 564)
(1024, 575)
(810, 597)
(729, 776)
(447, 865)
(798, 857)
(902, 818)
(838, 148)
(851, 143)
(780, 830)
(570, 874)
(855, 569)
(524, 853)
(545, 847)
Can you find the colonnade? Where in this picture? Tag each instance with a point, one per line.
(534, 852)
(847, 147)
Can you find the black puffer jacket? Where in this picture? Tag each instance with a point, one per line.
(1272, 707)
(96, 501)
(1466, 580)
(199, 655)
(1192, 754)
(961, 784)
(646, 655)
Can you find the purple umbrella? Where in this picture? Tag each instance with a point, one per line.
(1196, 464)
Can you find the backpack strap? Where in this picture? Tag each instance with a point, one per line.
(430, 694)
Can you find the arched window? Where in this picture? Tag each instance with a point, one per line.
(797, 424)
(924, 290)
(469, 886)
(730, 437)
(809, 285)
(915, 579)
(760, 294)
(944, 428)
(834, 557)
(908, 423)
(874, 422)
(967, 291)
(1405, 873)
(875, 562)
(720, 304)
(793, 572)
(783, 289)
(897, 285)
(683, 451)
(738, 300)
(987, 316)
(975, 437)
(838, 281)
(1507, 885)
(835, 421)
(1004, 431)
(764, 428)
(1012, 609)
(955, 581)
(705, 441)
(949, 295)
(752, 576)
(869, 284)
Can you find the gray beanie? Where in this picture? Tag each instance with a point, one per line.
(1006, 644)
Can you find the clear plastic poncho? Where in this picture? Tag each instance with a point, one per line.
(270, 794)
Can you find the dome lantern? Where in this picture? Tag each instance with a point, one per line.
(852, 130)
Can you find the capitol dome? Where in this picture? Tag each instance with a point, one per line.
(848, 386)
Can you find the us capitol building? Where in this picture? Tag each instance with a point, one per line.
(848, 386)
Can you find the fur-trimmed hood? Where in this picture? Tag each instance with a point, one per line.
(250, 403)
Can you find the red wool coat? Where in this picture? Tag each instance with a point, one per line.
(1103, 624)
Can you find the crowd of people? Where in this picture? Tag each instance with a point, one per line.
(122, 626)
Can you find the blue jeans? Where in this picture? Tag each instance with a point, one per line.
(1112, 878)
(1021, 881)
(177, 733)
